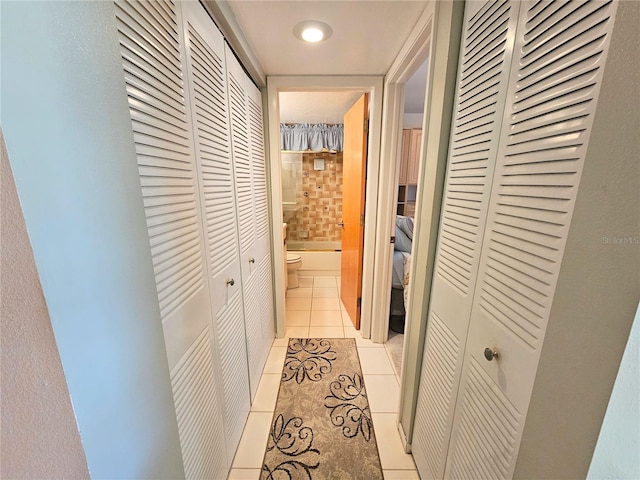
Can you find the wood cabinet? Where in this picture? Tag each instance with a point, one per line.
(409, 170)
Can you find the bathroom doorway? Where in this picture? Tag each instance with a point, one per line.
(318, 259)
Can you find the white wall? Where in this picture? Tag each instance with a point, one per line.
(68, 133)
(39, 437)
(616, 454)
(597, 292)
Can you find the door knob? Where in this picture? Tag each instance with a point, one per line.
(252, 260)
(231, 282)
(341, 224)
(490, 354)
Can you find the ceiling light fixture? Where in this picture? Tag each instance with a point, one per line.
(312, 31)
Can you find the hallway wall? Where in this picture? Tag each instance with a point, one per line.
(40, 438)
(68, 133)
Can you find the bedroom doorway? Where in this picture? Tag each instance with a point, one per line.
(405, 210)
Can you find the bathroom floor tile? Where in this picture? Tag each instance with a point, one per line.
(383, 392)
(253, 442)
(324, 282)
(375, 361)
(325, 318)
(298, 303)
(392, 455)
(326, 332)
(305, 282)
(267, 393)
(275, 360)
(325, 292)
(300, 292)
(324, 304)
(297, 318)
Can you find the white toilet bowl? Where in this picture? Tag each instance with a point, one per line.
(294, 262)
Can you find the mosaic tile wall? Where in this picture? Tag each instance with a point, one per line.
(318, 201)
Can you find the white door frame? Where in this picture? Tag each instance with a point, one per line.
(369, 84)
(437, 37)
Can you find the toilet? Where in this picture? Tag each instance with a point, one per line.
(294, 262)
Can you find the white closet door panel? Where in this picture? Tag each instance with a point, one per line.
(153, 71)
(208, 88)
(485, 57)
(241, 152)
(559, 57)
(198, 412)
(206, 62)
(437, 391)
(253, 327)
(258, 163)
(151, 44)
(232, 356)
(266, 304)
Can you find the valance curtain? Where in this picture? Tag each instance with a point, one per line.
(304, 136)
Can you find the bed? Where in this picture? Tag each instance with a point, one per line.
(400, 272)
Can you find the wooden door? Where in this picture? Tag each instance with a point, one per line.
(354, 177)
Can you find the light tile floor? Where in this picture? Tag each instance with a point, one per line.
(314, 310)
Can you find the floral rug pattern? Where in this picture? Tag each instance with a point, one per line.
(322, 427)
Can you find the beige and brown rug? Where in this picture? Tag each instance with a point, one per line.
(322, 427)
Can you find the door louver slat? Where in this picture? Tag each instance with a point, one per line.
(437, 390)
(231, 341)
(198, 413)
(553, 102)
(472, 143)
(163, 149)
(242, 163)
(212, 135)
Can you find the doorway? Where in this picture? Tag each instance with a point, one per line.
(405, 209)
(360, 85)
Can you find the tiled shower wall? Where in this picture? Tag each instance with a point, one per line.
(318, 200)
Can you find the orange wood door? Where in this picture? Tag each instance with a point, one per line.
(353, 187)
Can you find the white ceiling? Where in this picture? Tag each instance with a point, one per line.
(367, 35)
(315, 107)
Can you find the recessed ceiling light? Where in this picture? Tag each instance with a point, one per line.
(312, 31)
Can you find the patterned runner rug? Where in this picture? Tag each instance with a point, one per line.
(322, 426)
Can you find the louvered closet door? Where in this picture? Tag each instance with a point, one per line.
(555, 78)
(208, 87)
(152, 53)
(265, 317)
(247, 228)
(486, 49)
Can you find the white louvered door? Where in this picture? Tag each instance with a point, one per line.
(486, 50)
(553, 83)
(151, 41)
(264, 320)
(560, 53)
(246, 195)
(213, 130)
(208, 88)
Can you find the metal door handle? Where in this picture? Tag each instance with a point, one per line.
(490, 354)
(231, 282)
(341, 224)
(252, 260)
